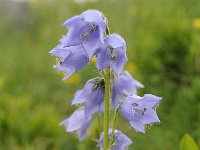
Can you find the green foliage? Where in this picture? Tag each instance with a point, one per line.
(188, 143)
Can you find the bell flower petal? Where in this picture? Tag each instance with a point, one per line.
(124, 84)
(77, 122)
(115, 41)
(140, 111)
(113, 52)
(83, 129)
(93, 16)
(121, 141)
(82, 95)
(71, 59)
(103, 59)
(91, 96)
(86, 29)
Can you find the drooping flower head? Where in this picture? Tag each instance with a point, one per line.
(140, 111)
(77, 122)
(121, 141)
(70, 59)
(113, 54)
(91, 96)
(86, 29)
(124, 84)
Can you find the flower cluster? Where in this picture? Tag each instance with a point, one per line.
(88, 36)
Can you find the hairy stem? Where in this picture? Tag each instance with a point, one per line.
(106, 107)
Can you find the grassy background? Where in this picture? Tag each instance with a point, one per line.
(163, 47)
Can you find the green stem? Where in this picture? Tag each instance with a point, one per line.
(106, 107)
(114, 123)
(113, 128)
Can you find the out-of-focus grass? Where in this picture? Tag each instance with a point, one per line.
(163, 47)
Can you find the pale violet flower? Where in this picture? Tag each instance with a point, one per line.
(113, 53)
(91, 96)
(77, 122)
(121, 141)
(70, 59)
(140, 111)
(86, 29)
(126, 85)
(85, 39)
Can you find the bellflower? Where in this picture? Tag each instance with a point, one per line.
(77, 122)
(125, 84)
(120, 142)
(87, 29)
(91, 96)
(71, 59)
(139, 111)
(85, 39)
(112, 53)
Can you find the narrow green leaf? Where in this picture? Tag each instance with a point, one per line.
(188, 143)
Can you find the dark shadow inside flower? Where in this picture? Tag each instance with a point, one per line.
(91, 96)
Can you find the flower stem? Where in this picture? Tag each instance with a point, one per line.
(113, 128)
(106, 107)
(114, 123)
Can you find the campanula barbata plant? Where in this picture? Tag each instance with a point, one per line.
(88, 36)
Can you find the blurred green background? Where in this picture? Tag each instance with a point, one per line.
(163, 47)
